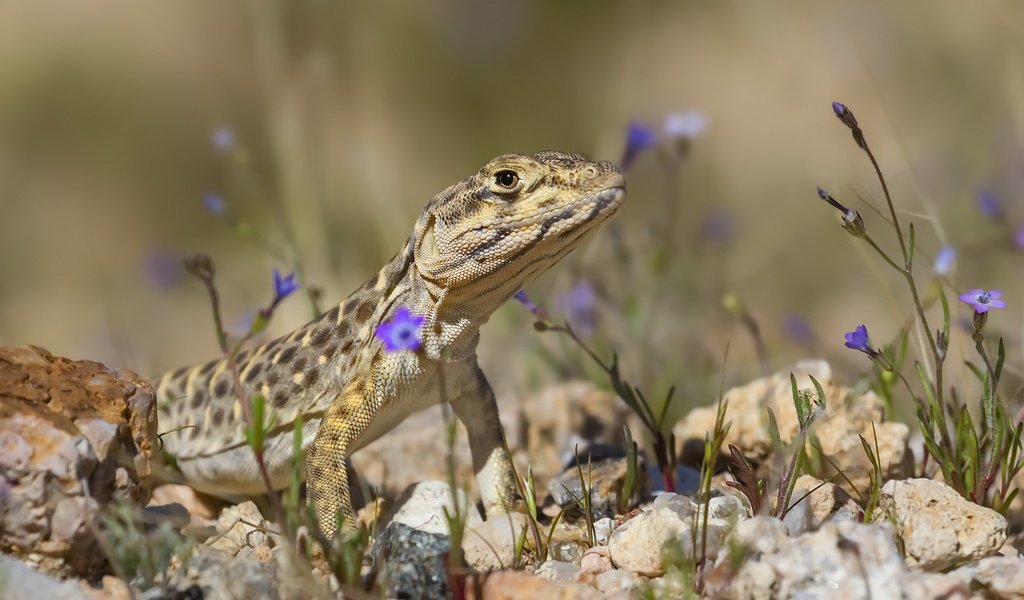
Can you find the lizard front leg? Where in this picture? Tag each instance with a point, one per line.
(327, 486)
(495, 476)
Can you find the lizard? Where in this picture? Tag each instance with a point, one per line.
(474, 245)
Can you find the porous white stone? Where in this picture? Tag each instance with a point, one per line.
(939, 528)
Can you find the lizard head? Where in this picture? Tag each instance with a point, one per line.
(489, 235)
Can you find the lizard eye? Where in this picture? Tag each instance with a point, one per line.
(506, 178)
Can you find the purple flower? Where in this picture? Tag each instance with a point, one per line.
(222, 138)
(797, 327)
(718, 226)
(215, 204)
(858, 340)
(989, 205)
(844, 114)
(528, 302)
(402, 332)
(284, 285)
(1018, 238)
(685, 125)
(163, 269)
(983, 300)
(944, 261)
(580, 306)
(638, 139)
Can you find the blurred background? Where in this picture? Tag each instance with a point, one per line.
(308, 135)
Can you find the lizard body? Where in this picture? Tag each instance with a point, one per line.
(474, 245)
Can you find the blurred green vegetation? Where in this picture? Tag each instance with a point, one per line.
(349, 116)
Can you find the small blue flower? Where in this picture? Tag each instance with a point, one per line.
(685, 125)
(858, 340)
(944, 261)
(639, 138)
(718, 226)
(162, 269)
(845, 115)
(982, 301)
(223, 139)
(215, 204)
(284, 285)
(580, 306)
(527, 302)
(989, 205)
(402, 332)
(798, 329)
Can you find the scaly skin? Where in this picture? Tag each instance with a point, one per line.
(475, 244)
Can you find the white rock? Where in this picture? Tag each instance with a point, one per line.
(636, 545)
(840, 560)
(938, 527)
(239, 527)
(556, 570)
(603, 530)
(491, 544)
(422, 507)
(616, 580)
(995, 576)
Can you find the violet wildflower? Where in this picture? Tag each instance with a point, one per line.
(990, 205)
(215, 204)
(580, 306)
(718, 226)
(222, 139)
(844, 114)
(402, 332)
(638, 139)
(528, 303)
(982, 301)
(162, 269)
(798, 329)
(284, 285)
(1018, 238)
(858, 340)
(944, 261)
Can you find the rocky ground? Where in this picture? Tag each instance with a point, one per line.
(78, 444)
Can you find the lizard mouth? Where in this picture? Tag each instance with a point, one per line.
(598, 203)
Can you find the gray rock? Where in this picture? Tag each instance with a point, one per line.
(411, 563)
(422, 507)
(18, 581)
(220, 576)
(605, 479)
(939, 528)
(75, 437)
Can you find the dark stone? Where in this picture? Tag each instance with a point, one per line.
(411, 563)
